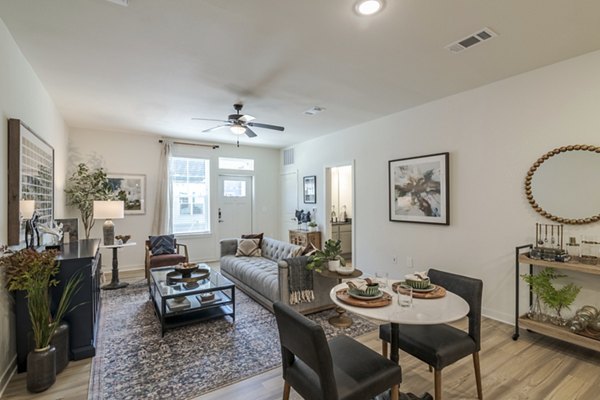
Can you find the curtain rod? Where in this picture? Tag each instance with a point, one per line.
(213, 146)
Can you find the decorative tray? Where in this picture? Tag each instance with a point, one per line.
(195, 276)
(382, 301)
(435, 293)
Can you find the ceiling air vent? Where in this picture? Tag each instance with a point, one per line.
(288, 156)
(472, 40)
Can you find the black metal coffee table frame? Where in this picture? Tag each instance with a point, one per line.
(198, 311)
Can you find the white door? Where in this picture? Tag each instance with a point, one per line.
(289, 203)
(235, 206)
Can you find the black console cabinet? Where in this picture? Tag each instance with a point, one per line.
(83, 256)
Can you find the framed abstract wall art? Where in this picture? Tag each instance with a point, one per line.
(419, 189)
(131, 189)
(310, 189)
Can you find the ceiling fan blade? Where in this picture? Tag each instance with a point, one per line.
(209, 119)
(250, 133)
(266, 126)
(214, 128)
(246, 118)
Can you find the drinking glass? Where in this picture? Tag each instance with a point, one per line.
(382, 278)
(405, 296)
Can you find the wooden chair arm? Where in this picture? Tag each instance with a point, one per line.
(185, 251)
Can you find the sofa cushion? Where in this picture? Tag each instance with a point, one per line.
(277, 250)
(248, 247)
(163, 244)
(257, 272)
(254, 236)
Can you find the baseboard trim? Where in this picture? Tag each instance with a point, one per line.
(7, 375)
(498, 316)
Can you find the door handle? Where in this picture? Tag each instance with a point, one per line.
(220, 216)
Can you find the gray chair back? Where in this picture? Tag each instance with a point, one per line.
(303, 338)
(471, 290)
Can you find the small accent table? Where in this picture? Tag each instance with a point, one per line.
(114, 281)
(341, 320)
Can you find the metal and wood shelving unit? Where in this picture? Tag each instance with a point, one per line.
(545, 328)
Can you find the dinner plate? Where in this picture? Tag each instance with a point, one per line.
(356, 295)
(431, 288)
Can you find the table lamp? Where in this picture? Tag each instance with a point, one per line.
(108, 210)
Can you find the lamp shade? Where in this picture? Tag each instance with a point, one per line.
(27, 208)
(109, 209)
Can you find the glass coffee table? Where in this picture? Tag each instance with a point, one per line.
(182, 303)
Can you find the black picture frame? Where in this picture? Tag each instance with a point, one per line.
(310, 189)
(419, 189)
(70, 229)
(30, 177)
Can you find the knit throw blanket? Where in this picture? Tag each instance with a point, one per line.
(300, 281)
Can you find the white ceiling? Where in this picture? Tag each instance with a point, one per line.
(154, 65)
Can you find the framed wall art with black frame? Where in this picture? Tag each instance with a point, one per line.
(310, 189)
(419, 189)
(30, 177)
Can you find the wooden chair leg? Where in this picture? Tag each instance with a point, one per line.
(286, 391)
(438, 384)
(395, 392)
(384, 348)
(477, 375)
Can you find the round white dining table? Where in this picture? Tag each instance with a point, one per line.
(446, 309)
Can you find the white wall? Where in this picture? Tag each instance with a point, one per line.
(22, 96)
(139, 154)
(494, 134)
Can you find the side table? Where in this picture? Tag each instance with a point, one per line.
(341, 320)
(114, 281)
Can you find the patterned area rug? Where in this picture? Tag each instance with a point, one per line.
(133, 361)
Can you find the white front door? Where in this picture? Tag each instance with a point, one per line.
(235, 206)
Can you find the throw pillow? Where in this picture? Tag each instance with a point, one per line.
(248, 248)
(163, 244)
(255, 236)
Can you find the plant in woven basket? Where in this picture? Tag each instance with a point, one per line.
(85, 186)
(34, 273)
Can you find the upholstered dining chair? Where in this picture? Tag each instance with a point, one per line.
(442, 345)
(179, 255)
(341, 369)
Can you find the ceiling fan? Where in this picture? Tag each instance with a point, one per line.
(239, 124)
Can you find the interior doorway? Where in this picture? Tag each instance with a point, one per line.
(234, 213)
(339, 193)
(289, 203)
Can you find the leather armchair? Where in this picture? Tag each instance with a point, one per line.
(341, 369)
(442, 345)
(164, 260)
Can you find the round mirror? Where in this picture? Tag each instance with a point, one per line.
(563, 184)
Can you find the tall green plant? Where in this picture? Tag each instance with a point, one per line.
(85, 186)
(34, 273)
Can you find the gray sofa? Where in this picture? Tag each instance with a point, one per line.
(265, 278)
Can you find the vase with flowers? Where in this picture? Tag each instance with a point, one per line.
(34, 273)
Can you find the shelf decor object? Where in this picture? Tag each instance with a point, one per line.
(419, 189)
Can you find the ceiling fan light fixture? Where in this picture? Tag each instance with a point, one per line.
(368, 7)
(237, 129)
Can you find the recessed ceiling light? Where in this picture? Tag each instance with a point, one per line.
(368, 7)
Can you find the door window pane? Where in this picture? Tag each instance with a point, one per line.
(234, 188)
(240, 164)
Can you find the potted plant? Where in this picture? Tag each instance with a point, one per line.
(312, 226)
(85, 186)
(34, 273)
(544, 290)
(330, 255)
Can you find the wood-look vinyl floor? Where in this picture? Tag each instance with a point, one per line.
(534, 367)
